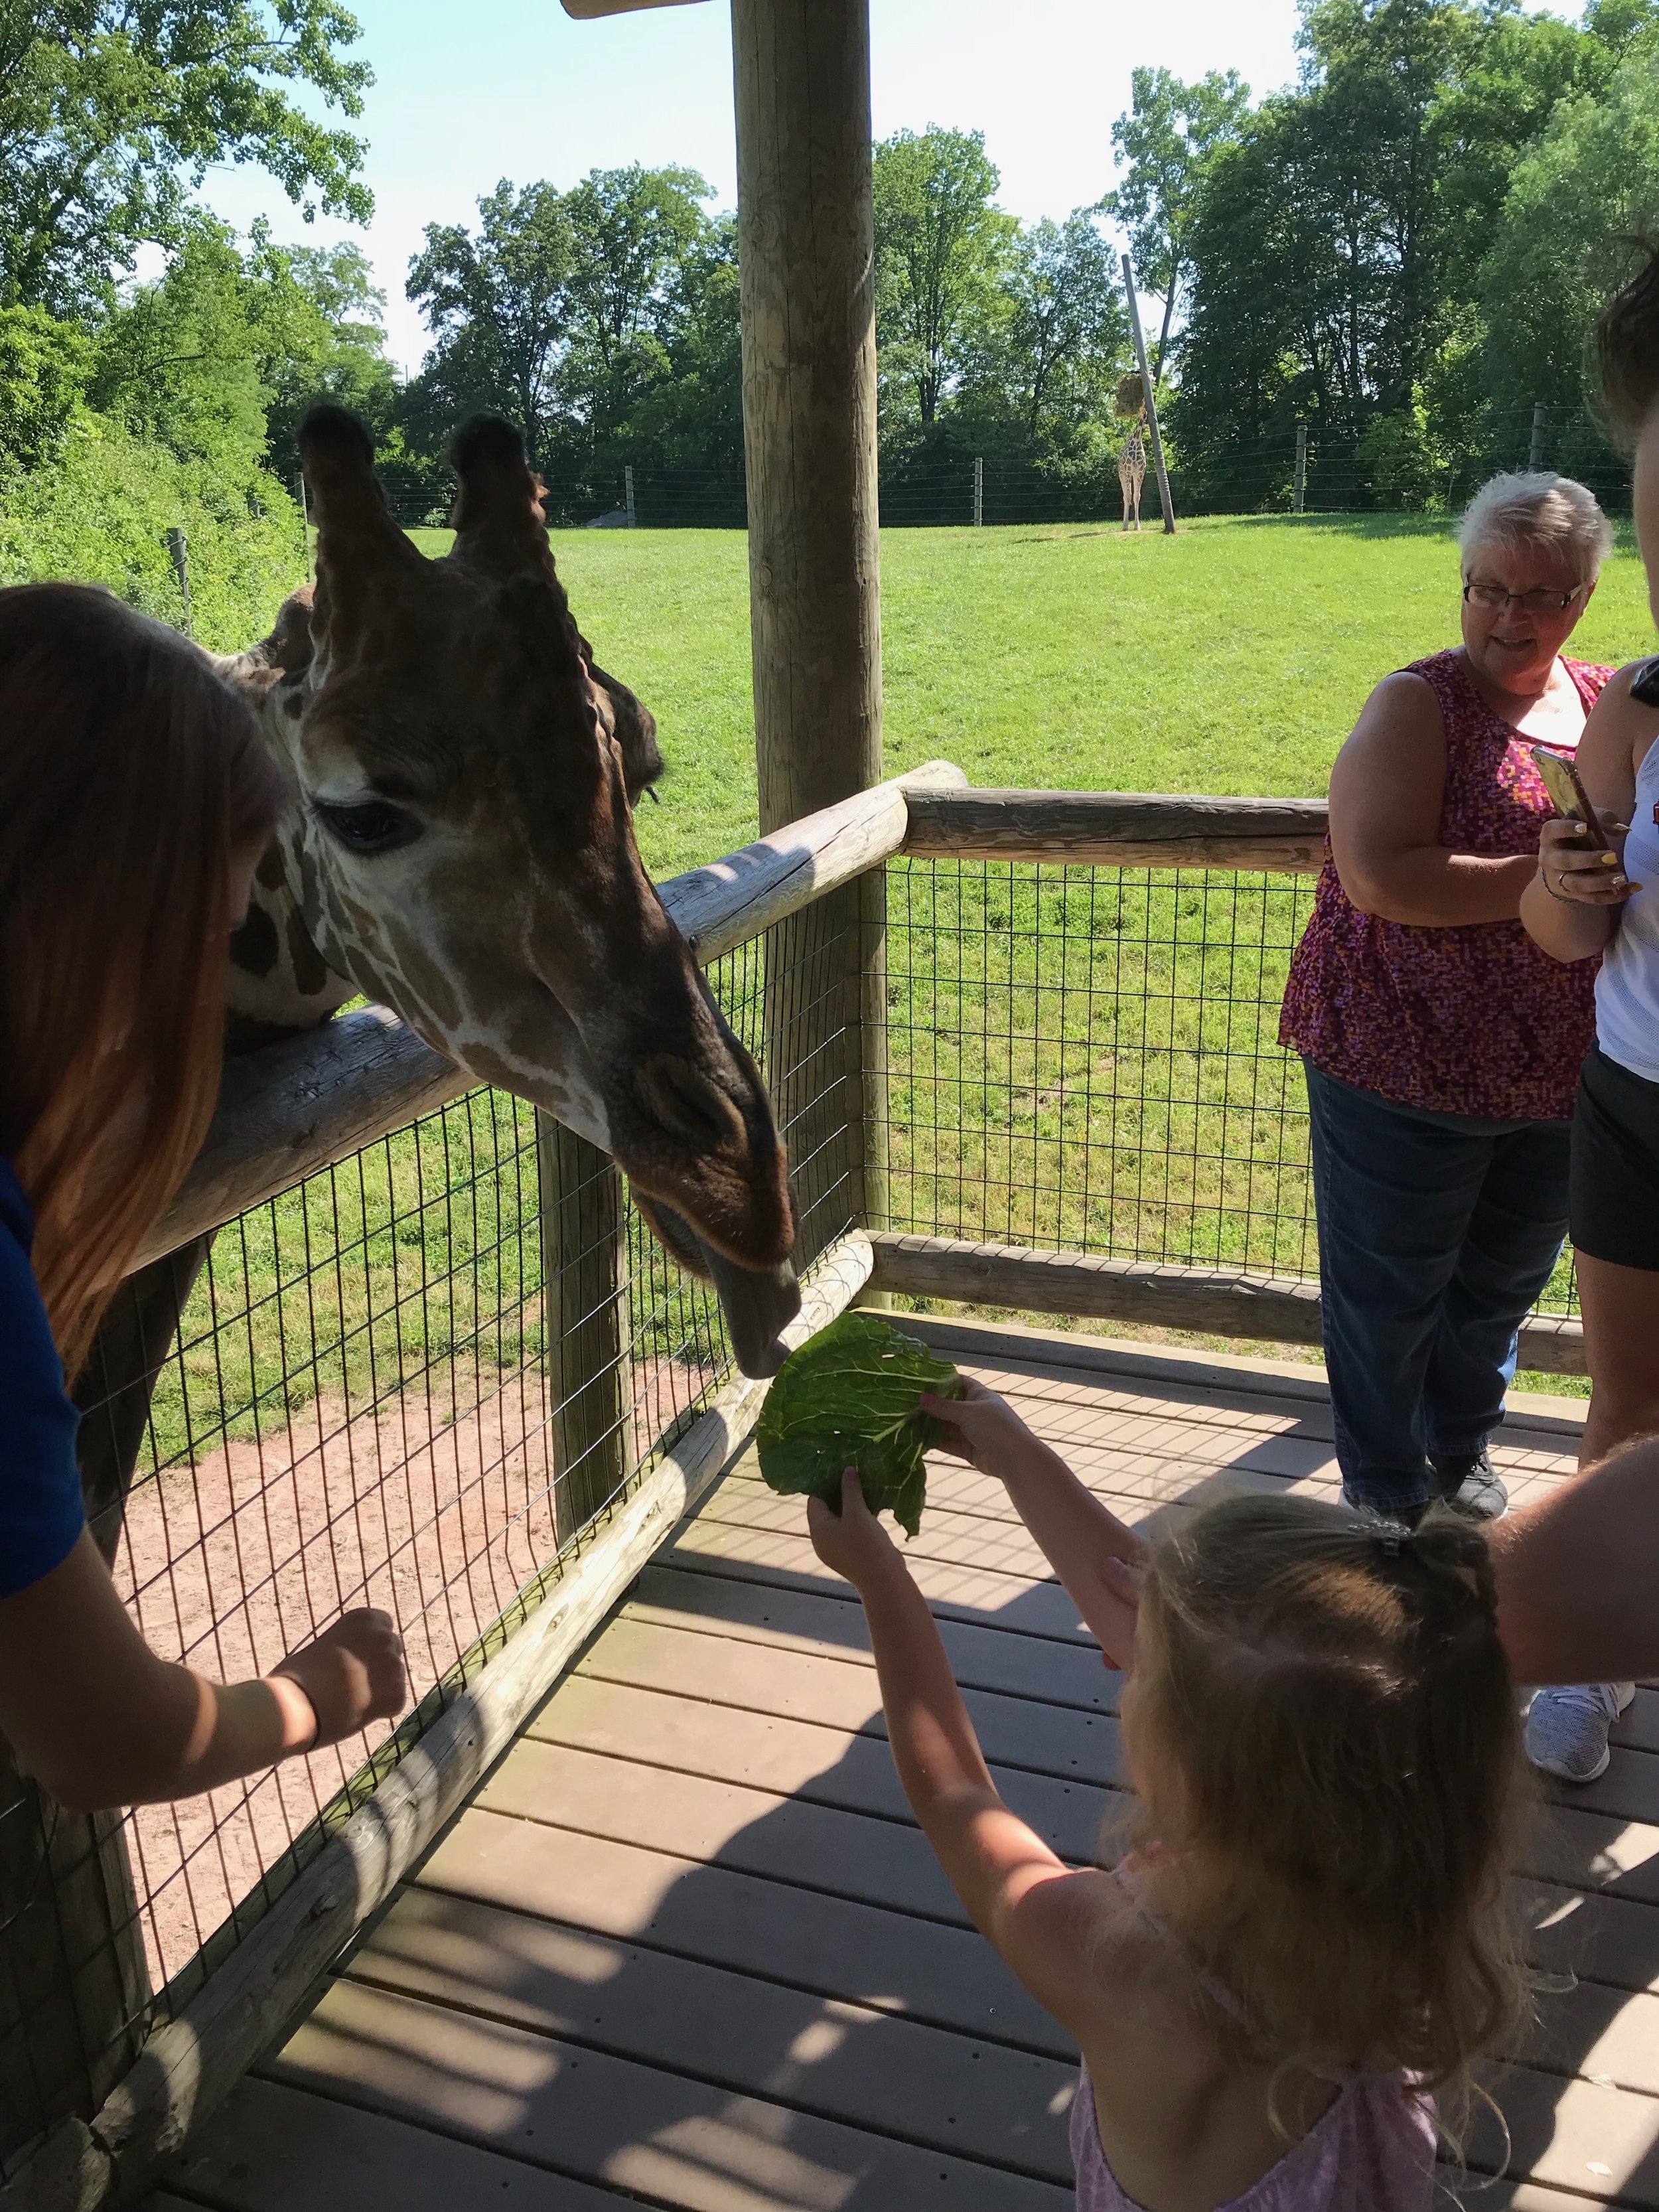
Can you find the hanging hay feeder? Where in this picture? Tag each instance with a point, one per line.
(1130, 398)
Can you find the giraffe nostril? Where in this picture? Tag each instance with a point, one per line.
(680, 1098)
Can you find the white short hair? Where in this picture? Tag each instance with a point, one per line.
(1537, 508)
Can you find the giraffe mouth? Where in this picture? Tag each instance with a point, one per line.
(758, 1304)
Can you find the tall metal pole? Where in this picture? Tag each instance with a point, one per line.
(1301, 466)
(978, 491)
(1535, 452)
(631, 510)
(1151, 397)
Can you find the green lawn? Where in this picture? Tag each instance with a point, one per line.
(1231, 658)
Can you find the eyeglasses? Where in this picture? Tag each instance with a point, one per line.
(1494, 598)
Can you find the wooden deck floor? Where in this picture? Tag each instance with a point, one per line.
(687, 1948)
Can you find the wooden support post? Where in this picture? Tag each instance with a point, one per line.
(807, 248)
(584, 1312)
(979, 491)
(629, 507)
(1151, 397)
(1535, 451)
(1301, 467)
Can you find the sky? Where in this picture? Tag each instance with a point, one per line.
(465, 95)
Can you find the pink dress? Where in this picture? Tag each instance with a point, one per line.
(1473, 1019)
(1372, 2150)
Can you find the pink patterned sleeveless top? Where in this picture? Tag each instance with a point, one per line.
(1372, 2150)
(1473, 1019)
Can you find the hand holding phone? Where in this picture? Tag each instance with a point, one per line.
(1582, 866)
(1560, 778)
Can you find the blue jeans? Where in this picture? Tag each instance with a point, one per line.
(1436, 1233)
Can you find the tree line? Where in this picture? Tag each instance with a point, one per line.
(1402, 252)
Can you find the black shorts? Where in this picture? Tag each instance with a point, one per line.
(1613, 1199)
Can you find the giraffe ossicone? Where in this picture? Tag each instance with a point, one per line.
(460, 847)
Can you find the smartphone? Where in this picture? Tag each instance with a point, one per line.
(1568, 796)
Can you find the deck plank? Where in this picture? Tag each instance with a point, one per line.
(873, 2068)
(274, 2148)
(605, 2119)
(871, 1955)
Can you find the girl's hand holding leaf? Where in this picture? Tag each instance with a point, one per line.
(850, 1541)
(979, 1427)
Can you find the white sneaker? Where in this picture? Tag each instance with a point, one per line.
(1567, 1729)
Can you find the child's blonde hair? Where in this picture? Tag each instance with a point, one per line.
(1332, 1749)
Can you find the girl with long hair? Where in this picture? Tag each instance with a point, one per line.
(1281, 1990)
(135, 799)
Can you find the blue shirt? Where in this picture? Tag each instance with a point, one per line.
(42, 1515)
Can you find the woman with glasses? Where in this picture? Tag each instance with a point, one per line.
(1442, 1045)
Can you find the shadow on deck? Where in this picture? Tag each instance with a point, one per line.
(686, 1948)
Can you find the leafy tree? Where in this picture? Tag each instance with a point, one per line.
(110, 110)
(499, 303)
(329, 342)
(179, 363)
(941, 247)
(45, 365)
(1164, 143)
(1067, 332)
(219, 357)
(1351, 244)
(690, 418)
(1562, 245)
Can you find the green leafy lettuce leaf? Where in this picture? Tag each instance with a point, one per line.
(849, 1397)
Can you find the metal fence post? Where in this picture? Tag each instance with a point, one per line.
(1301, 466)
(178, 547)
(584, 1297)
(1535, 451)
(627, 497)
(978, 491)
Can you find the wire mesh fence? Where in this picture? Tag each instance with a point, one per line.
(363, 1406)
(1087, 1059)
(939, 487)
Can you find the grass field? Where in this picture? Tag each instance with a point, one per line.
(1077, 1059)
(1231, 658)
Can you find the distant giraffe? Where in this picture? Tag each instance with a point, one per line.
(1131, 401)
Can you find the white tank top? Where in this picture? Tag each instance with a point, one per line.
(1627, 989)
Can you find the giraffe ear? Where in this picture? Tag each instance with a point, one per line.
(498, 515)
(358, 544)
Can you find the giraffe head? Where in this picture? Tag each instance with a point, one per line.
(463, 845)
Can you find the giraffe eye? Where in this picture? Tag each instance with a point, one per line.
(371, 826)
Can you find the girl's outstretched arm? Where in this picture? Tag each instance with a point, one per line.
(1082, 1541)
(1018, 1892)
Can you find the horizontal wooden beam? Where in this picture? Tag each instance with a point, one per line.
(291, 1110)
(1207, 1301)
(585, 11)
(295, 1107)
(733, 900)
(189, 2064)
(1120, 828)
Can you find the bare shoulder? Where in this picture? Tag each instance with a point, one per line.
(1403, 705)
(1086, 1951)
(1618, 733)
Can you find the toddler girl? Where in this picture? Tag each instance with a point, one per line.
(1308, 1936)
